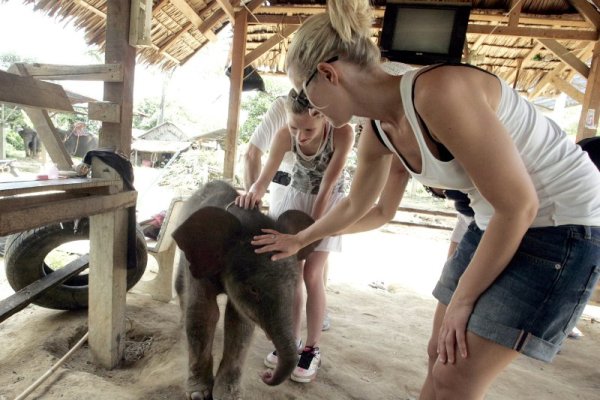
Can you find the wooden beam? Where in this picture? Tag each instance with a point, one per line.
(238, 49)
(269, 43)
(228, 9)
(566, 56)
(30, 293)
(101, 72)
(140, 24)
(158, 7)
(565, 34)
(45, 128)
(590, 109)
(91, 8)
(583, 54)
(219, 16)
(104, 111)
(499, 15)
(567, 88)
(588, 11)
(564, 20)
(50, 137)
(187, 10)
(517, 70)
(515, 12)
(477, 29)
(12, 221)
(85, 185)
(30, 92)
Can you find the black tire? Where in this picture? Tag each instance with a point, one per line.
(25, 263)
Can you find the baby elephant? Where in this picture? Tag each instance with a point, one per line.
(215, 236)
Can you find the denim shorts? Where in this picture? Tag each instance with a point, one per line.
(536, 301)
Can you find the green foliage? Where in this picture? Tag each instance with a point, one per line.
(256, 109)
(13, 139)
(146, 115)
(14, 118)
(257, 104)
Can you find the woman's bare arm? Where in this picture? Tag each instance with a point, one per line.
(280, 145)
(343, 138)
(388, 202)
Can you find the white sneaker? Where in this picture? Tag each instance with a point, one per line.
(271, 358)
(310, 361)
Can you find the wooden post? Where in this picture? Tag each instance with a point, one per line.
(2, 149)
(107, 281)
(108, 231)
(118, 51)
(238, 52)
(590, 110)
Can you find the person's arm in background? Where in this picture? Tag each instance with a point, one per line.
(281, 144)
(343, 139)
(252, 165)
(388, 202)
(274, 119)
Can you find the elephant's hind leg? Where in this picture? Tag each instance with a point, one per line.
(201, 317)
(238, 333)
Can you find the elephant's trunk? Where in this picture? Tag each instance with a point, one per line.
(287, 359)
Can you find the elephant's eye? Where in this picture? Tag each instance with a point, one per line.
(254, 292)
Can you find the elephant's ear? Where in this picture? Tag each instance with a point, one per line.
(294, 221)
(204, 238)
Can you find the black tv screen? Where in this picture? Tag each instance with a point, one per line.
(424, 33)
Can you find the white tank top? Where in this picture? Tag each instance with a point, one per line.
(566, 181)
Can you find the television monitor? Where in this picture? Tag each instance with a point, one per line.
(421, 32)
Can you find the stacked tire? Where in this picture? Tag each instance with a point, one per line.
(25, 255)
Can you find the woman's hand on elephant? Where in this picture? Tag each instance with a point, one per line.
(279, 243)
(248, 200)
(453, 331)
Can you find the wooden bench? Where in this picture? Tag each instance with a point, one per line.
(163, 250)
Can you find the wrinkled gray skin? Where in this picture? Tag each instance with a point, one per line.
(31, 141)
(78, 146)
(215, 240)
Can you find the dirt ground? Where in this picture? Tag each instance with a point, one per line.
(381, 308)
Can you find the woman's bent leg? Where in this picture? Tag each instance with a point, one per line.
(427, 391)
(469, 378)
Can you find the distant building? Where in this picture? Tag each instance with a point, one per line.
(156, 146)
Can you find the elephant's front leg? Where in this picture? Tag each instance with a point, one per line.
(238, 332)
(201, 317)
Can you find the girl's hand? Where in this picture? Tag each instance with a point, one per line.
(281, 244)
(248, 200)
(453, 331)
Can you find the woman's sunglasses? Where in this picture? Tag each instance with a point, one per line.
(301, 97)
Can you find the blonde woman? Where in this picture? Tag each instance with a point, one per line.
(524, 270)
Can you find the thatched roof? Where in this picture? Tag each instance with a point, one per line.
(181, 28)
